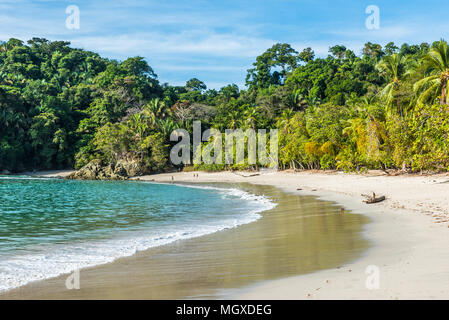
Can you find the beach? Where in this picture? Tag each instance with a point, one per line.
(299, 235)
(409, 232)
(253, 150)
(406, 238)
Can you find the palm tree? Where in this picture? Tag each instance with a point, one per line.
(156, 109)
(436, 65)
(312, 101)
(297, 100)
(234, 121)
(394, 67)
(166, 126)
(138, 123)
(3, 46)
(250, 117)
(9, 118)
(285, 119)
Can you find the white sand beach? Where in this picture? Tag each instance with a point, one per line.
(409, 232)
(50, 173)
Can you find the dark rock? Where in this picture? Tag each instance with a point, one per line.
(96, 170)
(91, 171)
(120, 170)
(129, 168)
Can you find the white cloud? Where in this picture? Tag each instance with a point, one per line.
(181, 39)
(219, 68)
(390, 32)
(187, 42)
(408, 31)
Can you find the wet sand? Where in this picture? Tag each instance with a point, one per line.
(301, 235)
(409, 234)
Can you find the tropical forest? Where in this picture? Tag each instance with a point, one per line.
(385, 107)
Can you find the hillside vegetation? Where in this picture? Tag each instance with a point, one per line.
(386, 107)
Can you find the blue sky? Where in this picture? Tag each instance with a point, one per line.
(217, 41)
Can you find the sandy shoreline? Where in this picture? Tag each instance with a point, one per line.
(409, 232)
(49, 173)
(301, 234)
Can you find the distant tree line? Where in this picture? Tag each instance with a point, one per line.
(387, 107)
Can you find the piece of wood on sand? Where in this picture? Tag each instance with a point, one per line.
(246, 176)
(373, 198)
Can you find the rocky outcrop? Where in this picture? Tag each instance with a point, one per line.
(96, 170)
(91, 171)
(129, 168)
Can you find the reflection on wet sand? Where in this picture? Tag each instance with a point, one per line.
(301, 235)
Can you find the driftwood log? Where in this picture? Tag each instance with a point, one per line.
(373, 198)
(246, 176)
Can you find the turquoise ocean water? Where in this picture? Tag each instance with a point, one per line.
(49, 226)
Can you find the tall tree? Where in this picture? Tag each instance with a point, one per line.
(195, 85)
(307, 55)
(373, 50)
(338, 51)
(394, 67)
(436, 65)
(273, 66)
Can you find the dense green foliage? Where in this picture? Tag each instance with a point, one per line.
(387, 108)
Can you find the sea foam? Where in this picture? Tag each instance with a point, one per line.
(54, 260)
